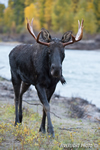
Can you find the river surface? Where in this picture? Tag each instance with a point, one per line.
(81, 70)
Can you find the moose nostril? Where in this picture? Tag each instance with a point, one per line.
(53, 66)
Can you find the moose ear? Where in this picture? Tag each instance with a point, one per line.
(66, 37)
(45, 35)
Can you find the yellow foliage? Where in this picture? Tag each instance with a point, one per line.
(13, 26)
(28, 2)
(90, 22)
(74, 5)
(57, 15)
(8, 13)
(48, 12)
(62, 17)
(97, 12)
(90, 5)
(31, 12)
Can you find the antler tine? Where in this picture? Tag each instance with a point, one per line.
(32, 22)
(30, 29)
(82, 23)
(78, 24)
(79, 34)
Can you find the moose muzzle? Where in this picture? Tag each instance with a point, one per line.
(56, 70)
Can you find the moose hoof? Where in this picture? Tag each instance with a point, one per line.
(17, 123)
(42, 130)
(20, 118)
(52, 135)
(51, 132)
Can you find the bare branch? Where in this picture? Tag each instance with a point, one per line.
(55, 115)
(32, 103)
(70, 129)
(42, 105)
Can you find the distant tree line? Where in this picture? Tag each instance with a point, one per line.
(55, 15)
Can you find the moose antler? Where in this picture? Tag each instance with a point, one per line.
(30, 29)
(79, 34)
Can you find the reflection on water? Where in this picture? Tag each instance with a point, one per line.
(81, 70)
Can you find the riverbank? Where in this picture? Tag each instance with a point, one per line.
(73, 107)
(92, 43)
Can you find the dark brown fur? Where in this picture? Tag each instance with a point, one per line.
(40, 66)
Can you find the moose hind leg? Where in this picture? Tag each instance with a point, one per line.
(16, 85)
(24, 88)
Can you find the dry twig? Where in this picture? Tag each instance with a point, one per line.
(42, 105)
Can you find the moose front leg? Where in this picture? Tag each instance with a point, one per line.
(43, 98)
(49, 93)
(42, 127)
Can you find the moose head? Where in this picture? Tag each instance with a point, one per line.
(56, 46)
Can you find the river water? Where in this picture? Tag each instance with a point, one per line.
(81, 70)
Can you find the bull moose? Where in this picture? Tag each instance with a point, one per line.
(39, 64)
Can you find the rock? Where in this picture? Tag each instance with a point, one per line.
(97, 38)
